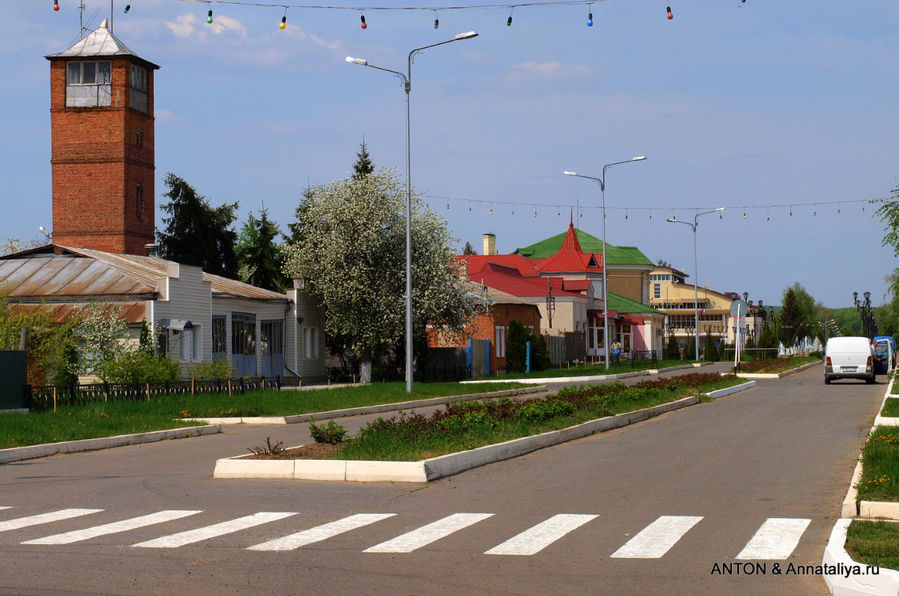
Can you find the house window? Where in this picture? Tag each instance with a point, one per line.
(140, 137)
(243, 334)
(500, 342)
(88, 84)
(139, 202)
(139, 87)
(310, 342)
(656, 291)
(218, 338)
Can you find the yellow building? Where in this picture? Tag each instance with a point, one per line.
(669, 293)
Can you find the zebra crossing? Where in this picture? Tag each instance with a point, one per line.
(775, 539)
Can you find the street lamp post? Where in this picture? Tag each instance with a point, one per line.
(693, 226)
(864, 310)
(605, 279)
(407, 87)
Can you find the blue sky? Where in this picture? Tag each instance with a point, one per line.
(740, 105)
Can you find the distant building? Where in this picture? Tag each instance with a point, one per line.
(670, 294)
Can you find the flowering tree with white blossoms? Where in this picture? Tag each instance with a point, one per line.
(351, 253)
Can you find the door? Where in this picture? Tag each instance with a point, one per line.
(243, 343)
(271, 346)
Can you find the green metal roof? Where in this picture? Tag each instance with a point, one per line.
(618, 255)
(627, 306)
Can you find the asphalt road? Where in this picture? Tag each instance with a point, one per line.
(703, 480)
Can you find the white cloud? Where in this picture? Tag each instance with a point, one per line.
(185, 26)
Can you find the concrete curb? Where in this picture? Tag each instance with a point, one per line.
(850, 503)
(444, 465)
(730, 390)
(576, 379)
(851, 578)
(14, 454)
(375, 409)
(792, 371)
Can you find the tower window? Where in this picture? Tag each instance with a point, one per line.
(139, 202)
(88, 84)
(139, 88)
(140, 137)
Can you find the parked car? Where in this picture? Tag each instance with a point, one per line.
(884, 355)
(848, 358)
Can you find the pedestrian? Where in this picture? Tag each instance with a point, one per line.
(616, 350)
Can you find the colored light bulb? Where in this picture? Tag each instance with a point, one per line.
(209, 16)
(56, 5)
(509, 21)
(670, 14)
(283, 24)
(436, 23)
(364, 25)
(127, 8)
(589, 19)
(491, 211)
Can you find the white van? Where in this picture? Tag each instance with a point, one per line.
(848, 358)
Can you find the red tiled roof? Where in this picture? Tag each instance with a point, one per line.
(509, 281)
(576, 285)
(476, 263)
(570, 256)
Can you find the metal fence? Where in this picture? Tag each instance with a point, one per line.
(445, 373)
(48, 397)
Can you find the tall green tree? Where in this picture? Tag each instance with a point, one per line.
(259, 256)
(469, 249)
(364, 165)
(792, 324)
(196, 233)
(352, 256)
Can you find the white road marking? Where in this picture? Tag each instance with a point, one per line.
(322, 532)
(33, 520)
(537, 538)
(776, 539)
(657, 538)
(113, 528)
(220, 529)
(425, 535)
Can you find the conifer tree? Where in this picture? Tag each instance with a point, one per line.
(258, 254)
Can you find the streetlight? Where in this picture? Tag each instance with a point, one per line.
(693, 226)
(407, 87)
(864, 310)
(605, 281)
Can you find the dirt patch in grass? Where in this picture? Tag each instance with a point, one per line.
(310, 451)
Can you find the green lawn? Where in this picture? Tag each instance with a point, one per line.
(598, 368)
(880, 466)
(874, 543)
(891, 408)
(471, 424)
(116, 418)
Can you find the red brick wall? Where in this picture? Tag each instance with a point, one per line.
(97, 165)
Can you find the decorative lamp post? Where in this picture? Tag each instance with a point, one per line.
(693, 226)
(864, 310)
(407, 87)
(605, 279)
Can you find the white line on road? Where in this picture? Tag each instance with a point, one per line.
(33, 520)
(113, 528)
(220, 529)
(425, 535)
(322, 532)
(535, 539)
(657, 538)
(776, 539)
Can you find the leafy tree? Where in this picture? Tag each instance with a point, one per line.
(259, 258)
(197, 233)
(792, 325)
(352, 255)
(50, 345)
(364, 165)
(539, 353)
(297, 228)
(888, 212)
(768, 340)
(663, 263)
(469, 249)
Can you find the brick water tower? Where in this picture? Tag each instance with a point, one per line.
(103, 161)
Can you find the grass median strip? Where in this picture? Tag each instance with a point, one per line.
(874, 543)
(891, 408)
(880, 466)
(597, 368)
(106, 419)
(776, 365)
(471, 424)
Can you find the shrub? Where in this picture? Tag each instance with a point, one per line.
(711, 348)
(534, 411)
(141, 367)
(539, 353)
(332, 434)
(672, 349)
(516, 352)
(219, 368)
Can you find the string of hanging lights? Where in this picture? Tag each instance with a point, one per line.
(435, 10)
(556, 208)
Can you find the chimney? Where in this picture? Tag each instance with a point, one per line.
(489, 244)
